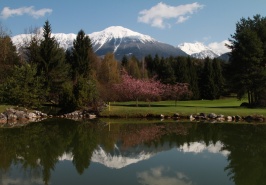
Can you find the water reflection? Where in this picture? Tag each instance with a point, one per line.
(199, 147)
(146, 153)
(161, 175)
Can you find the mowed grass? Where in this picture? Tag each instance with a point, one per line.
(4, 107)
(227, 107)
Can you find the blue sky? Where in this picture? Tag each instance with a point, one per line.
(168, 21)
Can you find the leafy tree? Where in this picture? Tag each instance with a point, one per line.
(8, 55)
(132, 67)
(248, 58)
(138, 89)
(109, 70)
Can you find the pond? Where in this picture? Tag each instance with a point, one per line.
(67, 152)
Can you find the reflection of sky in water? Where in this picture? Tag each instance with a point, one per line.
(20, 181)
(186, 165)
(160, 175)
(199, 147)
(18, 176)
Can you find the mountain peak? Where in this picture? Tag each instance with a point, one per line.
(193, 48)
(118, 33)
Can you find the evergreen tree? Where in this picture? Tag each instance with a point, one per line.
(23, 87)
(207, 81)
(193, 79)
(52, 63)
(248, 58)
(124, 61)
(181, 70)
(218, 78)
(82, 56)
(150, 65)
(165, 72)
(82, 91)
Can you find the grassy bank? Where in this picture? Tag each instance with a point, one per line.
(4, 107)
(227, 107)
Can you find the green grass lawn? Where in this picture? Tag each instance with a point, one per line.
(4, 107)
(227, 107)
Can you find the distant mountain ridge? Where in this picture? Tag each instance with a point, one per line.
(122, 41)
(198, 50)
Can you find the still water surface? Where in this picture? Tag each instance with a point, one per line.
(58, 151)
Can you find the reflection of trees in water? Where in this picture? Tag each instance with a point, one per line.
(135, 134)
(38, 146)
(247, 159)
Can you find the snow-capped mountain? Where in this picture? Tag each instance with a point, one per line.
(116, 39)
(198, 50)
(119, 34)
(122, 41)
(120, 158)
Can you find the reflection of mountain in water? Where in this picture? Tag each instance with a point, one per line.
(119, 158)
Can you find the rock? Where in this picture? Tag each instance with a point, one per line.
(191, 117)
(31, 115)
(229, 118)
(3, 118)
(12, 117)
(21, 115)
(203, 115)
(212, 116)
(176, 115)
(92, 116)
(238, 118)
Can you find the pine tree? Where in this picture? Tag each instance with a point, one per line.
(218, 78)
(181, 70)
(248, 58)
(165, 72)
(207, 81)
(193, 79)
(23, 87)
(52, 63)
(82, 91)
(82, 56)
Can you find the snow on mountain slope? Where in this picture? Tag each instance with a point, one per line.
(65, 40)
(122, 41)
(118, 33)
(201, 51)
(192, 48)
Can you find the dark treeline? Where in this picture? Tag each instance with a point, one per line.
(43, 73)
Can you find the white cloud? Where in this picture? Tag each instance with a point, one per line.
(162, 175)
(199, 147)
(157, 14)
(220, 47)
(8, 12)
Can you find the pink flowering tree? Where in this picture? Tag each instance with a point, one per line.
(148, 89)
(138, 89)
(176, 91)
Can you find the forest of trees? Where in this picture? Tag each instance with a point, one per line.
(42, 73)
